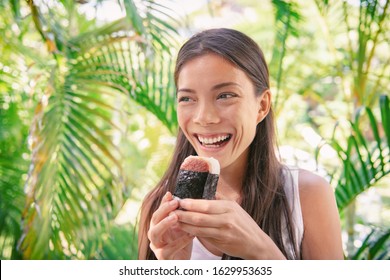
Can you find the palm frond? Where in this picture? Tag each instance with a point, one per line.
(76, 177)
(13, 167)
(139, 66)
(11, 204)
(13, 150)
(120, 244)
(287, 20)
(366, 159)
(374, 247)
(76, 180)
(364, 26)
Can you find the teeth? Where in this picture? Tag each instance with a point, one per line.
(210, 141)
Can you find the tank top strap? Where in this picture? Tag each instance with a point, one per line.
(291, 189)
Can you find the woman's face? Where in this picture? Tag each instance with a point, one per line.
(218, 110)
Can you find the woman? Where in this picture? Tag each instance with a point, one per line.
(263, 210)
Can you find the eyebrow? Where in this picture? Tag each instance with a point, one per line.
(221, 85)
(218, 86)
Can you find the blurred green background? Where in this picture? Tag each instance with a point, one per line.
(88, 123)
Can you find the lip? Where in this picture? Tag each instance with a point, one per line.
(213, 142)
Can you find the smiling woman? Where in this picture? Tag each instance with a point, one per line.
(224, 111)
(219, 115)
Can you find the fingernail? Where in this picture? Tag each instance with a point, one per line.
(173, 202)
(171, 217)
(183, 203)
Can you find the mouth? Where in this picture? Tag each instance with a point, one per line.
(213, 141)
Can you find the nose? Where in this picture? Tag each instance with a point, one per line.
(206, 113)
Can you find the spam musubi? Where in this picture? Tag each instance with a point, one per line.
(197, 178)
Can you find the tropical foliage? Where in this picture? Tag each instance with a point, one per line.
(365, 161)
(76, 182)
(374, 246)
(87, 111)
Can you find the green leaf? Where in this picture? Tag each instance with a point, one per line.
(287, 20)
(133, 15)
(385, 114)
(76, 179)
(375, 246)
(365, 160)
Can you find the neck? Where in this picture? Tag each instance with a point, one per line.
(231, 179)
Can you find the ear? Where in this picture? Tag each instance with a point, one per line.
(264, 101)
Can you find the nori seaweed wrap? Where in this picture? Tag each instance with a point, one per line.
(197, 178)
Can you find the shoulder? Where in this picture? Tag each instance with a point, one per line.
(315, 193)
(311, 184)
(322, 231)
(316, 196)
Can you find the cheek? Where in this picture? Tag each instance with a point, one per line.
(252, 133)
(182, 118)
(250, 126)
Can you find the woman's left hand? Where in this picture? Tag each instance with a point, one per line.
(228, 227)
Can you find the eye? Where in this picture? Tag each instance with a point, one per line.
(226, 95)
(184, 99)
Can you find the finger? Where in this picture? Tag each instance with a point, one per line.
(168, 196)
(156, 233)
(204, 232)
(171, 249)
(204, 206)
(200, 219)
(181, 243)
(168, 204)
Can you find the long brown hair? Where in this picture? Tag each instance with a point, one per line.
(263, 196)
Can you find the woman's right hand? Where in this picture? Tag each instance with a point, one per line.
(167, 240)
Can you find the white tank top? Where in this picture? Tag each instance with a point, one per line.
(199, 252)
